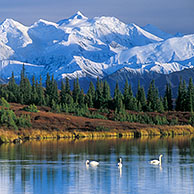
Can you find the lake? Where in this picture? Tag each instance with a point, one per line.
(54, 167)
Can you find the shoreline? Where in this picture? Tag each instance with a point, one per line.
(11, 136)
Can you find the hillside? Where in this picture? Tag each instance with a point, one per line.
(49, 125)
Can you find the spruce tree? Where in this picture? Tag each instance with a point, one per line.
(98, 94)
(118, 99)
(106, 94)
(54, 90)
(76, 90)
(63, 93)
(190, 96)
(67, 86)
(141, 99)
(168, 97)
(34, 94)
(81, 98)
(181, 98)
(90, 96)
(25, 88)
(13, 89)
(40, 91)
(152, 97)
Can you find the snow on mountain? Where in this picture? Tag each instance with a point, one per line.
(14, 34)
(82, 47)
(172, 55)
(7, 66)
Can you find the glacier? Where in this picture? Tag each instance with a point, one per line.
(89, 48)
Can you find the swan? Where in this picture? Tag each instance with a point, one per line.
(92, 163)
(120, 163)
(157, 162)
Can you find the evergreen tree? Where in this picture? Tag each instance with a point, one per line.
(67, 86)
(51, 91)
(13, 89)
(98, 94)
(141, 99)
(168, 97)
(160, 107)
(165, 103)
(128, 98)
(152, 97)
(54, 90)
(90, 96)
(81, 98)
(181, 98)
(25, 88)
(106, 95)
(118, 99)
(190, 96)
(76, 90)
(48, 89)
(40, 92)
(63, 93)
(34, 94)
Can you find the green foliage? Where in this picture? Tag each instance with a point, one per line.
(167, 102)
(141, 118)
(4, 103)
(103, 110)
(181, 98)
(152, 97)
(94, 115)
(55, 107)
(9, 119)
(77, 102)
(90, 96)
(76, 90)
(98, 94)
(31, 108)
(173, 121)
(102, 128)
(191, 120)
(24, 121)
(81, 111)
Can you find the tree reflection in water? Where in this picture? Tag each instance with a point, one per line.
(58, 166)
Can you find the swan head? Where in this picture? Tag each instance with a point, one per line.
(87, 162)
(120, 160)
(160, 155)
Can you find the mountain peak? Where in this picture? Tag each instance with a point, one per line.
(44, 22)
(79, 15)
(9, 23)
(76, 18)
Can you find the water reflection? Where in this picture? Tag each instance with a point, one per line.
(59, 166)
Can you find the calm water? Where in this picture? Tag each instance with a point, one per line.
(54, 167)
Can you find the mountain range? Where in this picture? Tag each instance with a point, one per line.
(86, 48)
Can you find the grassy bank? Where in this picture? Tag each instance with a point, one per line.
(45, 124)
(11, 136)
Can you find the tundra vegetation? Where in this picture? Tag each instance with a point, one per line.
(97, 103)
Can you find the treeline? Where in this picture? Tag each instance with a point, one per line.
(67, 100)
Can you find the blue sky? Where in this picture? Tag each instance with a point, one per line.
(169, 15)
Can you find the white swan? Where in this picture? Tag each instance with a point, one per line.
(157, 162)
(92, 163)
(120, 163)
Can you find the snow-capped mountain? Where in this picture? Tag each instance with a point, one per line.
(90, 48)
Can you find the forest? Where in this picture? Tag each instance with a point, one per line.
(33, 94)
